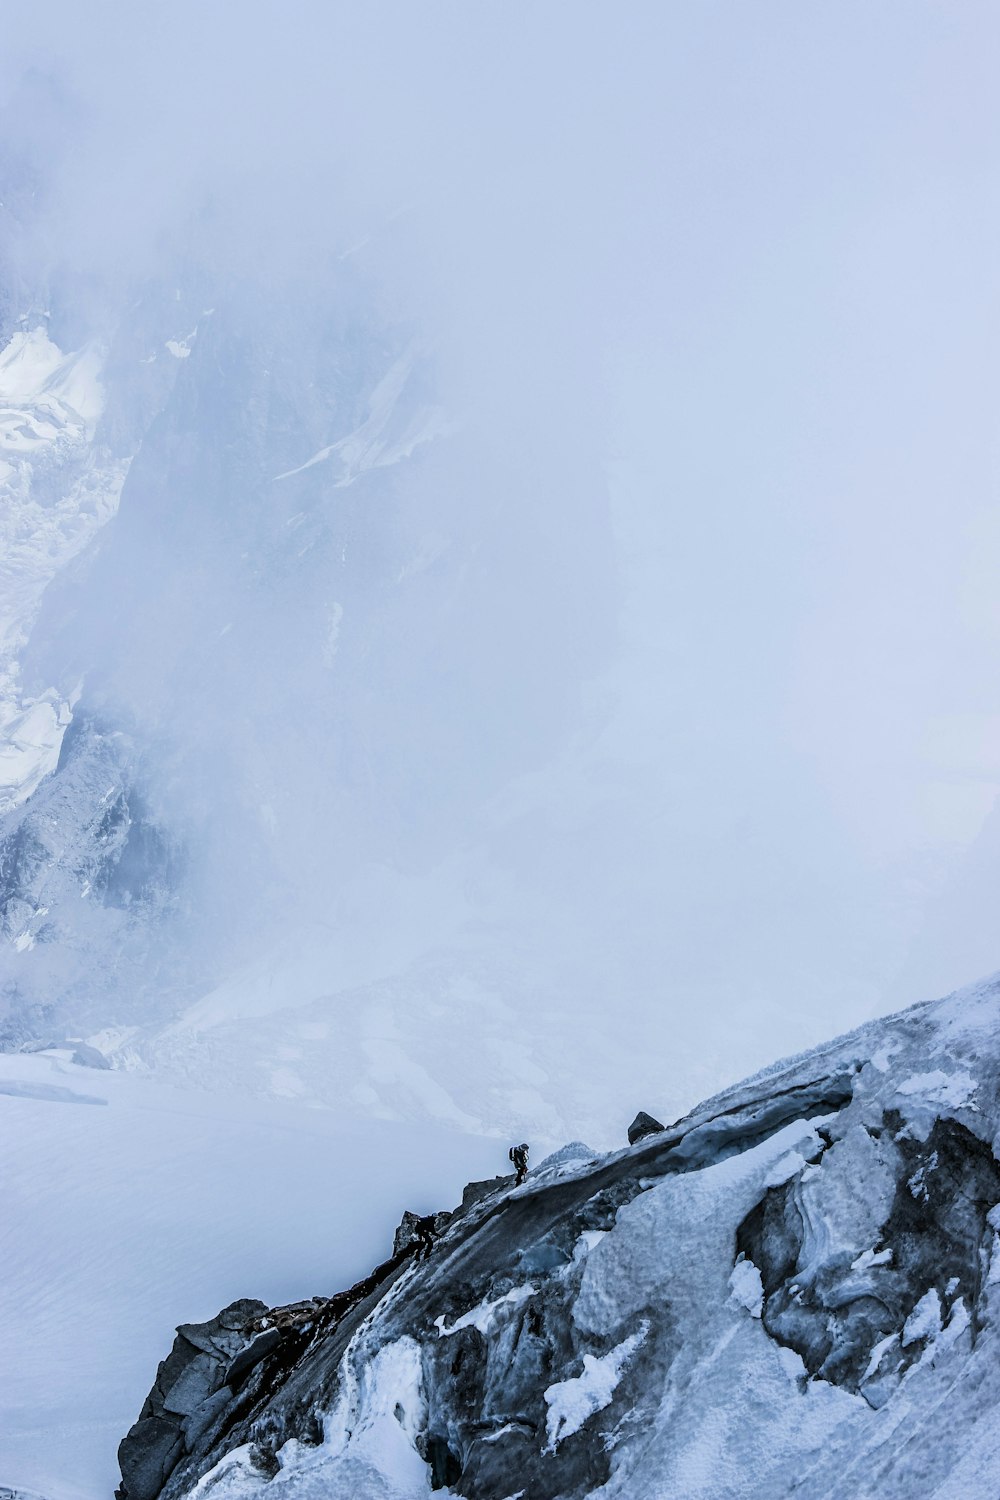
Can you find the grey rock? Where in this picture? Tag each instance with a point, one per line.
(642, 1126)
(195, 1426)
(147, 1457)
(475, 1192)
(251, 1355)
(406, 1234)
(184, 1400)
(192, 1385)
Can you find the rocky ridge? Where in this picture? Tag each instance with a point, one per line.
(789, 1291)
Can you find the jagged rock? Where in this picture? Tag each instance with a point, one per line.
(189, 1390)
(83, 871)
(642, 1126)
(475, 1192)
(406, 1235)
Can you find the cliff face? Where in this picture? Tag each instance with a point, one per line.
(792, 1290)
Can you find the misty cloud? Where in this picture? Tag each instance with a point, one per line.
(658, 682)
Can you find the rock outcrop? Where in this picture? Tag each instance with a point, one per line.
(790, 1291)
(642, 1126)
(406, 1234)
(192, 1393)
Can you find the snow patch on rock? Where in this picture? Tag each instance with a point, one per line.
(571, 1402)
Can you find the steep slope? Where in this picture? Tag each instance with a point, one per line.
(789, 1291)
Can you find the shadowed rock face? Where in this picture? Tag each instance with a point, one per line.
(837, 1214)
(189, 1399)
(835, 1309)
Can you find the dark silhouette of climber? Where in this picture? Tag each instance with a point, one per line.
(519, 1156)
(425, 1230)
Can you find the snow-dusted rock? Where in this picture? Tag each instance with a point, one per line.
(788, 1292)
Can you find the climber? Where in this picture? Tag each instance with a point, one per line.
(519, 1156)
(425, 1230)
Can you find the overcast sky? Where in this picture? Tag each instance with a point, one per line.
(741, 262)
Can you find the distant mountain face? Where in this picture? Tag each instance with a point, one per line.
(176, 579)
(792, 1291)
(276, 633)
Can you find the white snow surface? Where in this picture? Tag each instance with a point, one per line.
(131, 1206)
(482, 1316)
(952, 1089)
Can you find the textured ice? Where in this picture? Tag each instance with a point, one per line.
(953, 1089)
(925, 1319)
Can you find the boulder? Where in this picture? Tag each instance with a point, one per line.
(642, 1126)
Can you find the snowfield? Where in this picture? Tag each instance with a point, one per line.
(131, 1206)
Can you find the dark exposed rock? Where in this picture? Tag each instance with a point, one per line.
(406, 1234)
(835, 1309)
(250, 1355)
(475, 1192)
(642, 1126)
(189, 1394)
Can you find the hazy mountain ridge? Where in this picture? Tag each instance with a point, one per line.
(122, 634)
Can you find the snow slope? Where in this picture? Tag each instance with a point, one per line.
(130, 1205)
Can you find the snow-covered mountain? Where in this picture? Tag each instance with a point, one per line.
(789, 1292)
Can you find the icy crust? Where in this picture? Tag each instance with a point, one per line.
(790, 1294)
